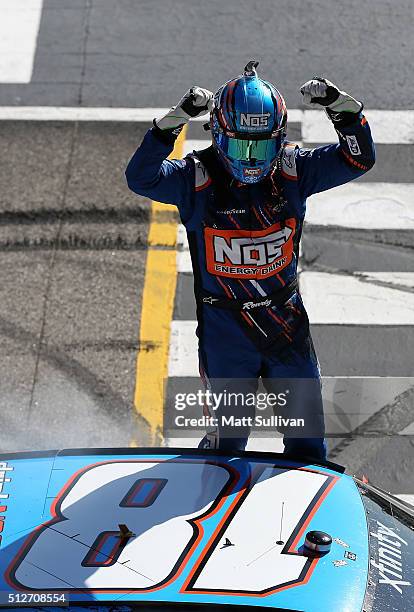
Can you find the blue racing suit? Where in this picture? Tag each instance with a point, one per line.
(244, 244)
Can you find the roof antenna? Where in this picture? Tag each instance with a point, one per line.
(280, 541)
(125, 534)
(227, 543)
(250, 68)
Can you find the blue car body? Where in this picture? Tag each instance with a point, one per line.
(132, 528)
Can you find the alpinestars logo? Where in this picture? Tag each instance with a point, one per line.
(249, 254)
(254, 120)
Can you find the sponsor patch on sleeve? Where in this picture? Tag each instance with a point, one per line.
(289, 162)
(202, 179)
(353, 145)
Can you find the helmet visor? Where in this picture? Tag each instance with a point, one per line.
(252, 150)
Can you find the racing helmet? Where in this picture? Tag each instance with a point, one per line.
(248, 125)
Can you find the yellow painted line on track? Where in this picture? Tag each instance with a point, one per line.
(157, 311)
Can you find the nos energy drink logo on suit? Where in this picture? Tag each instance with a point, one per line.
(249, 254)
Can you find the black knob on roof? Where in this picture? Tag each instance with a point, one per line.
(318, 541)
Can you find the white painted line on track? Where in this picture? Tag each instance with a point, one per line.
(337, 309)
(364, 206)
(356, 205)
(387, 127)
(295, 115)
(182, 240)
(184, 264)
(358, 397)
(316, 127)
(91, 113)
(404, 279)
(337, 299)
(183, 359)
(271, 445)
(77, 113)
(195, 145)
(408, 431)
(408, 499)
(182, 442)
(19, 27)
(184, 362)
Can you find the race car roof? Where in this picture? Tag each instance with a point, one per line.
(181, 527)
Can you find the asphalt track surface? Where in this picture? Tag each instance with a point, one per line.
(73, 240)
(148, 52)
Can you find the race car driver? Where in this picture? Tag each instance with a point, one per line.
(242, 201)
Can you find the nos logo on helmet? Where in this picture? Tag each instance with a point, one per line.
(254, 120)
(249, 253)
